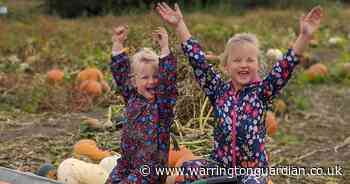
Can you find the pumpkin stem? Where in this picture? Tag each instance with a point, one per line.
(175, 143)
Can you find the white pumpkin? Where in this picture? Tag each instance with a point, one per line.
(74, 171)
(109, 163)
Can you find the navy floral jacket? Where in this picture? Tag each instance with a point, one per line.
(146, 133)
(239, 136)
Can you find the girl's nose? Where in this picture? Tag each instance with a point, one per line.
(243, 64)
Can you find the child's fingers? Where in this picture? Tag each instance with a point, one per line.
(177, 9)
(160, 8)
(119, 30)
(168, 9)
(161, 12)
(316, 12)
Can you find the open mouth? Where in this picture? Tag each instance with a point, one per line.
(243, 74)
(151, 90)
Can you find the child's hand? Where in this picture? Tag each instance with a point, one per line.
(175, 19)
(120, 34)
(308, 25)
(161, 36)
(172, 17)
(311, 22)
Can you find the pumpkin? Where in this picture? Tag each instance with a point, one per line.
(316, 70)
(74, 171)
(55, 76)
(271, 123)
(279, 106)
(109, 163)
(90, 87)
(47, 170)
(88, 147)
(93, 74)
(175, 155)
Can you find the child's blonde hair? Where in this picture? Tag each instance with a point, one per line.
(237, 40)
(145, 55)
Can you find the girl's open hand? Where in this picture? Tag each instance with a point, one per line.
(161, 37)
(169, 15)
(120, 34)
(311, 22)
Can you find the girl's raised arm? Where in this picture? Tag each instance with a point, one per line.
(282, 70)
(208, 79)
(120, 65)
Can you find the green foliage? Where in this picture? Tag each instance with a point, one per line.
(301, 102)
(284, 138)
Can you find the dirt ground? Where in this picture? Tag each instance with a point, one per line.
(315, 138)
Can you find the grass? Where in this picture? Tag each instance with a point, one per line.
(44, 42)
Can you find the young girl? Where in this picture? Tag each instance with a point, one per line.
(240, 104)
(148, 86)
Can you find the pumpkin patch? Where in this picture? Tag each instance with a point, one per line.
(316, 71)
(55, 76)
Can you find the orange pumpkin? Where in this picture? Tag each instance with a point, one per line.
(93, 74)
(280, 106)
(92, 88)
(88, 147)
(54, 76)
(271, 123)
(316, 70)
(175, 155)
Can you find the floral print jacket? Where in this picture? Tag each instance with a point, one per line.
(146, 133)
(239, 136)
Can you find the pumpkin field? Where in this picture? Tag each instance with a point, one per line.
(56, 86)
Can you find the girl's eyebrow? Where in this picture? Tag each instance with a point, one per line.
(251, 58)
(236, 59)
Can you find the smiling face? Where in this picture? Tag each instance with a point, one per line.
(242, 64)
(146, 79)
